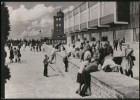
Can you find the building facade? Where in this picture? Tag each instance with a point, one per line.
(58, 31)
(103, 21)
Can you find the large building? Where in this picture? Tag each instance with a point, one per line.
(103, 21)
(58, 31)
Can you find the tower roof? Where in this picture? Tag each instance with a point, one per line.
(60, 13)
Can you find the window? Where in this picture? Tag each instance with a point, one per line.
(59, 24)
(136, 35)
(107, 8)
(94, 12)
(77, 19)
(56, 19)
(59, 19)
(84, 16)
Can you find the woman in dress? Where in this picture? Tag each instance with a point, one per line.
(127, 61)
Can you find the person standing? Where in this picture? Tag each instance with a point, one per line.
(65, 60)
(81, 54)
(40, 44)
(15, 54)
(91, 67)
(115, 44)
(19, 55)
(19, 46)
(46, 62)
(53, 55)
(127, 61)
(24, 46)
(80, 79)
(11, 54)
(33, 46)
(120, 44)
(36, 47)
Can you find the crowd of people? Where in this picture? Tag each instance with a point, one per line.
(96, 57)
(93, 57)
(119, 43)
(15, 54)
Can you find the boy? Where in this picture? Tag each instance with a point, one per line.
(46, 62)
(19, 55)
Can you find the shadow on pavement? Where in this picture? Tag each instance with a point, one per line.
(53, 75)
(23, 61)
(137, 78)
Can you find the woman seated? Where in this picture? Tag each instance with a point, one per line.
(109, 65)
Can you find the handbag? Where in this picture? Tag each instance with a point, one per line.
(107, 68)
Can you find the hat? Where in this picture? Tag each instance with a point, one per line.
(46, 56)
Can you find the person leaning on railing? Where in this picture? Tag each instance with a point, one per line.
(127, 60)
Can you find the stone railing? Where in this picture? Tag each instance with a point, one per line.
(103, 84)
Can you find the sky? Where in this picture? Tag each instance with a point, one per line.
(27, 18)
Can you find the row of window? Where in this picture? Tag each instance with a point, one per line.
(61, 36)
(58, 19)
(98, 10)
(56, 41)
(106, 36)
(58, 25)
(58, 30)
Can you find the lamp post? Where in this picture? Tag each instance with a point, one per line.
(40, 35)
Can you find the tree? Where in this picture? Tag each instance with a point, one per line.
(5, 28)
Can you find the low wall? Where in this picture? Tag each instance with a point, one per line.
(103, 84)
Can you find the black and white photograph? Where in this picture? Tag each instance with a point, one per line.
(70, 49)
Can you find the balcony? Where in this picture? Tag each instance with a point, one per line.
(71, 29)
(93, 23)
(114, 13)
(76, 28)
(83, 25)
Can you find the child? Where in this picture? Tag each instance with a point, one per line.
(19, 55)
(15, 54)
(46, 62)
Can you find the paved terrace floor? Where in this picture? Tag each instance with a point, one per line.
(27, 80)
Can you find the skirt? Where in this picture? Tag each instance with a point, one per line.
(80, 78)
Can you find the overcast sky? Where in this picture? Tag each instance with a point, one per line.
(30, 17)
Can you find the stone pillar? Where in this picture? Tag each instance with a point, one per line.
(129, 37)
(114, 35)
(89, 36)
(100, 35)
